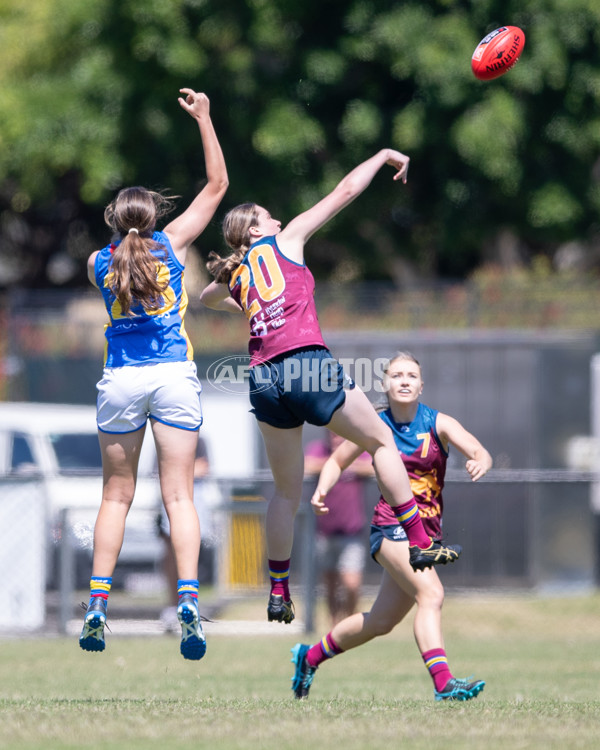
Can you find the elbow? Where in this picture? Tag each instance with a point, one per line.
(216, 188)
(204, 300)
(221, 185)
(348, 190)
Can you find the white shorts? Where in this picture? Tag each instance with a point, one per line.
(168, 392)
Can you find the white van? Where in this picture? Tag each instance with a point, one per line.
(59, 443)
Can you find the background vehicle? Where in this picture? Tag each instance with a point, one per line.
(59, 444)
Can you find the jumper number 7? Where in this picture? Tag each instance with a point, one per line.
(426, 438)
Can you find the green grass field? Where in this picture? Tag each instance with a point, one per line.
(540, 658)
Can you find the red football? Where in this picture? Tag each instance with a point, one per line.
(497, 52)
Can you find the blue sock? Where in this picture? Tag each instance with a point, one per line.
(99, 586)
(188, 586)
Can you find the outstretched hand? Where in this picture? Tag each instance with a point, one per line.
(401, 162)
(318, 503)
(195, 104)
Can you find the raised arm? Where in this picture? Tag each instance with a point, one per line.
(183, 230)
(291, 239)
(450, 430)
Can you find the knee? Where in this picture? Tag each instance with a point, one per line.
(118, 497)
(383, 439)
(372, 444)
(432, 597)
(177, 503)
(286, 496)
(118, 490)
(382, 625)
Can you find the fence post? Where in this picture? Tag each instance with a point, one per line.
(595, 485)
(66, 573)
(309, 562)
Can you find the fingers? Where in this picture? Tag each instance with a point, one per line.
(195, 103)
(475, 470)
(318, 504)
(402, 166)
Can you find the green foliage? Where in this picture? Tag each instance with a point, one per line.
(553, 205)
(300, 93)
(361, 123)
(286, 131)
(497, 157)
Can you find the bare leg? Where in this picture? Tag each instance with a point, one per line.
(176, 452)
(357, 421)
(389, 608)
(170, 568)
(425, 588)
(400, 587)
(286, 459)
(120, 457)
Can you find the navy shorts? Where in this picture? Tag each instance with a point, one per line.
(305, 385)
(394, 532)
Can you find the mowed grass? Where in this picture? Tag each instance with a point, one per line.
(539, 656)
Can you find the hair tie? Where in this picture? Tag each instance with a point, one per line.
(133, 229)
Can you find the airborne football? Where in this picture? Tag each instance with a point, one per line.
(497, 52)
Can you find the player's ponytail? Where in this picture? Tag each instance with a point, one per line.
(133, 278)
(236, 232)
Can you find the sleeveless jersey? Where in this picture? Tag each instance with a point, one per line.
(146, 338)
(277, 296)
(425, 461)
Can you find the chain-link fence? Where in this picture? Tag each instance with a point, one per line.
(528, 530)
(528, 395)
(23, 554)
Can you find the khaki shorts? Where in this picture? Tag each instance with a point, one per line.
(341, 552)
(168, 392)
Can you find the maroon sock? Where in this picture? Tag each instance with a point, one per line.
(437, 663)
(410, 520)
(326, 648)
(279, 573)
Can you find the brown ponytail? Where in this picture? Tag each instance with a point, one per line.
(236, 225)
(134, 267)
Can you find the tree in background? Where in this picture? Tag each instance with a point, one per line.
(503, 170)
